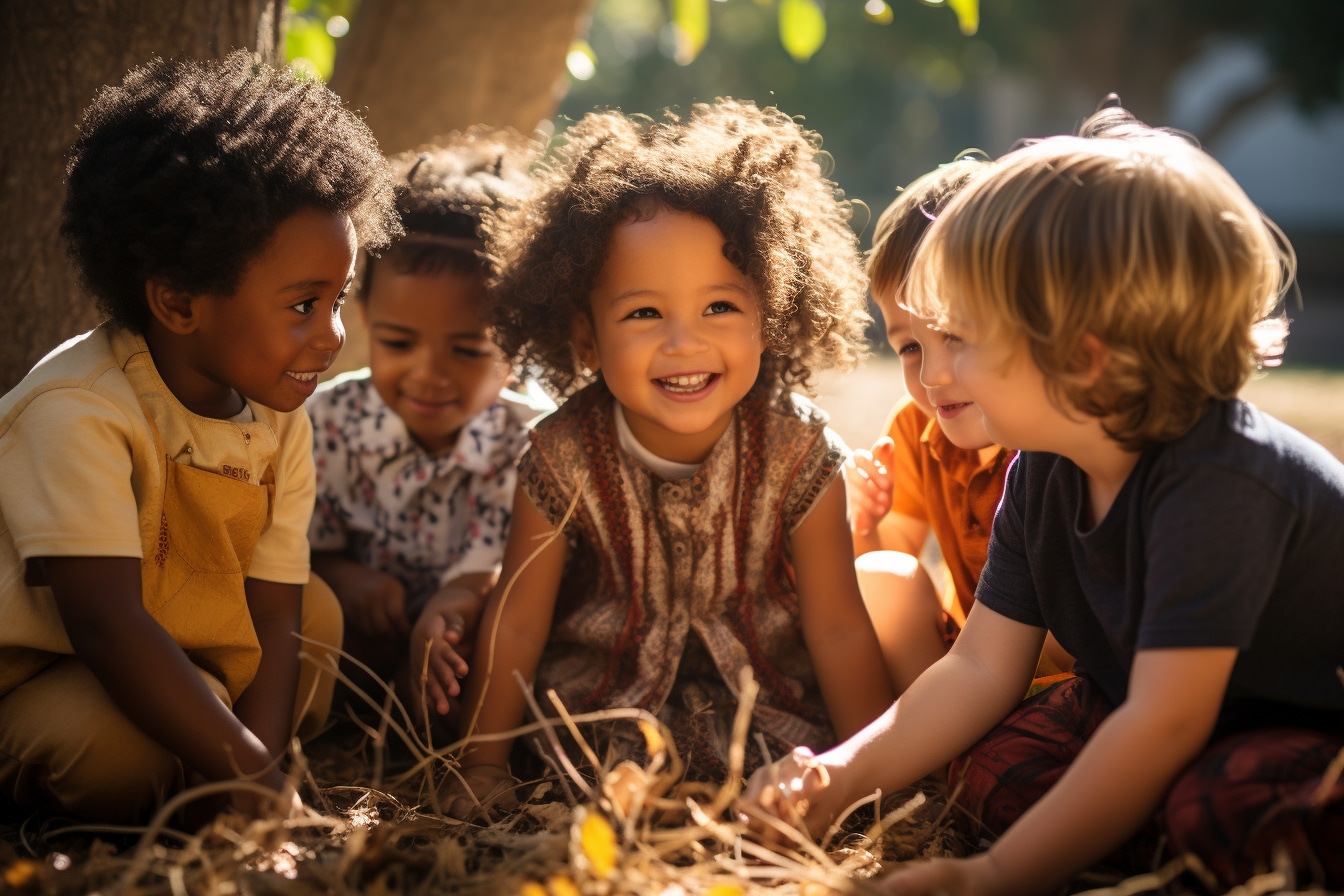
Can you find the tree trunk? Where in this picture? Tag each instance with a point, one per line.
(422, 68)
(56, 54)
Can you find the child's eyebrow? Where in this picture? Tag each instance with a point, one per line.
(474, 335)
(304, 285)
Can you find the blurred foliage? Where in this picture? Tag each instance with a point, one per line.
(313, 28)
(897, 87)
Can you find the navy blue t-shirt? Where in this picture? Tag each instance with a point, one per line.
(1230, 536)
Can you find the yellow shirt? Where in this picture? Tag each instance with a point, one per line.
(80, 468)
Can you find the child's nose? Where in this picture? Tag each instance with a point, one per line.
(432, 367)
(935, 369)
(330, 335)
(682, 337)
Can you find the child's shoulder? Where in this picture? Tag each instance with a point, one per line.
(1238, 435)
(82, 369)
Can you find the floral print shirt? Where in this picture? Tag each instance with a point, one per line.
(387, 504)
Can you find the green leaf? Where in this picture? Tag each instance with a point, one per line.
(802, 28)
(691, 19)
(968, 15)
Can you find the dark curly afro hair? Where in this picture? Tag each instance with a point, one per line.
(754, 172)
(183, 172)
(442, 191)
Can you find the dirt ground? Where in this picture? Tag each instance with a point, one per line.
(1309, 400)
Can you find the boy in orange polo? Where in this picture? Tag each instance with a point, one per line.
(934, 470)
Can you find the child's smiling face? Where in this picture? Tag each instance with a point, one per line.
(926, 354)
(280, 328)
(430, 353)
(676, 332)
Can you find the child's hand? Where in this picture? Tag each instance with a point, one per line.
(976, 876)
(481, 791)
(794, 790)
(443, 637)
(375, 604)
(868, 481)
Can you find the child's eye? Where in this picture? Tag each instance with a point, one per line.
(720, 308)
(907, 348)
(469, 352)
(305, 307)
(396, 345)
(643, 314)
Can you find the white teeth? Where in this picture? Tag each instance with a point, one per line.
(685, 383)
(302, 377)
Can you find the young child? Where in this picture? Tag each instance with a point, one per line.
(679, 517)
(158, 470)
(1101, 296)
(933, 469)
(416, 454)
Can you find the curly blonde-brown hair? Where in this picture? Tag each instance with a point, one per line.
(754, 172)
(1132, 235)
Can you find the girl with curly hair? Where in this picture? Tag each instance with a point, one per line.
(682, 516)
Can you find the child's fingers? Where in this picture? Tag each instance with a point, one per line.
(884, 451)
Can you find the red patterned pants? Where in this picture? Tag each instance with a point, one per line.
(1245, 795)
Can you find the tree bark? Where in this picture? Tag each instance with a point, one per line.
(422, 68)
(56, 54)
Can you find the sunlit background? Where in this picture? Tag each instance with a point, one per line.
(895, 87)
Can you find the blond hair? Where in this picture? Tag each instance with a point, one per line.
(1135, 236)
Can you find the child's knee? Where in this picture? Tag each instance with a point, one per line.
(896, 589)
(89, 758)
(322, 628)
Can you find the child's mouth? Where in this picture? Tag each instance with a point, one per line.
(687, 384)
(952, 410)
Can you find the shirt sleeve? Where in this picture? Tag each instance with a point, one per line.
(67, 484)
(1006, 584)
(906, 429)
(1195, 597)
(282, 551)
(327, 530)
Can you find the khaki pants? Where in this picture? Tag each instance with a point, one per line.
(64, 744)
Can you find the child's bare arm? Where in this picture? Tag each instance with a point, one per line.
(443, 636)
(1117, 781)
(374, 602)
(146, 673)
(836, 625)
(512, 634)
(939, 717)
(267, 706)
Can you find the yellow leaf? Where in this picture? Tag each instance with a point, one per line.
(561, 885)
(691, 19)
(652, 736)
(725, 890)
(968, 14)
(532, 888)
(599, 844)
(878, 11)
(802, 28)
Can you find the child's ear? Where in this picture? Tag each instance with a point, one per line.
(585, 344)
(1093, 358)
(170, 307)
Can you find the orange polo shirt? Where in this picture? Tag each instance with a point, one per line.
(950, 489)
